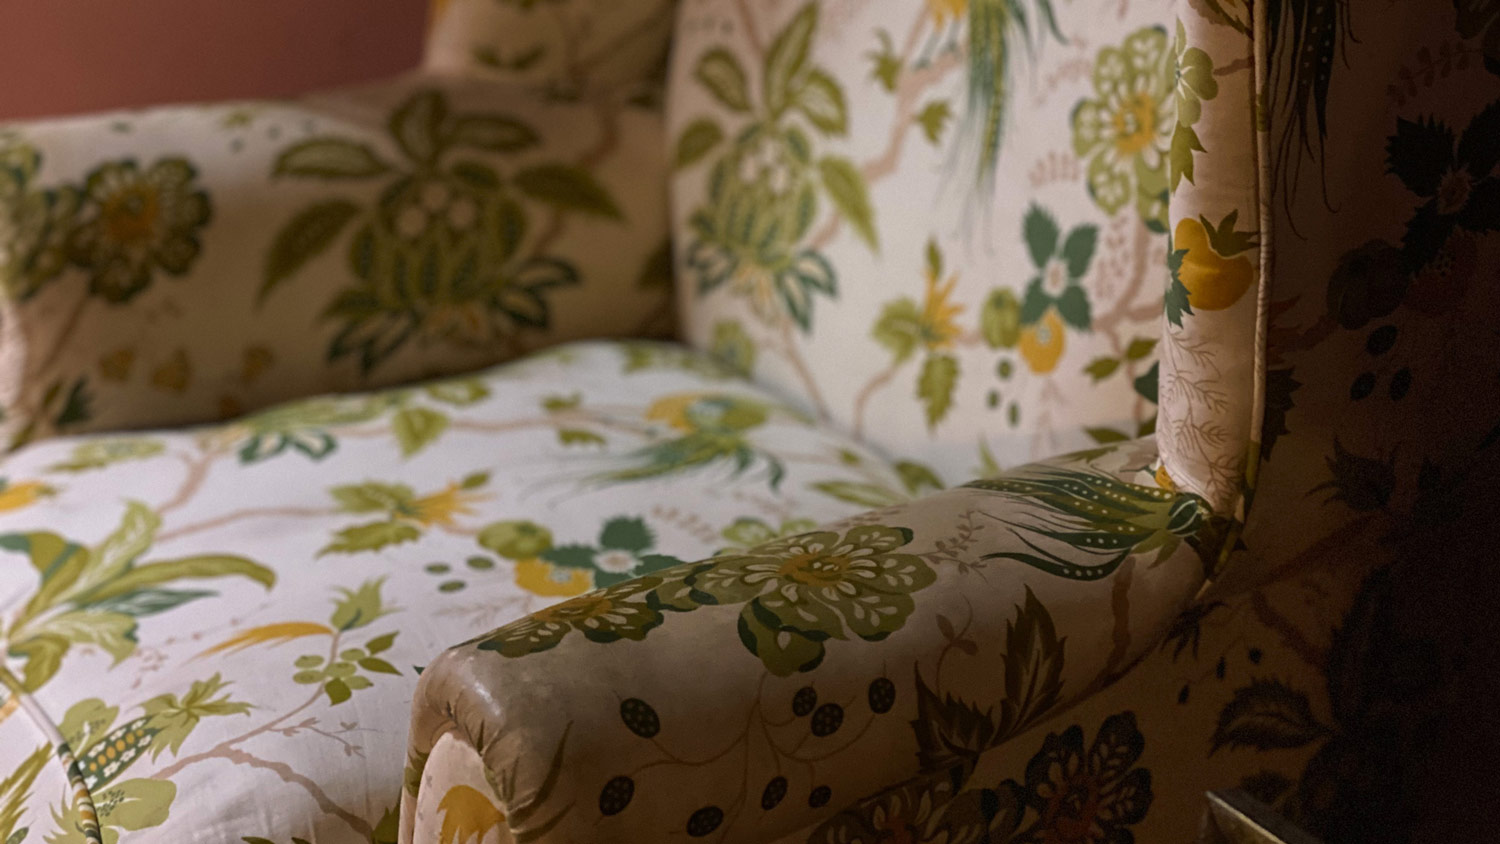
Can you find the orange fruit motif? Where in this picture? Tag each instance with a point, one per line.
(1041, 345)
(1213, 281)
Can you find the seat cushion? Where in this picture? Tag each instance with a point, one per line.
(224, 625)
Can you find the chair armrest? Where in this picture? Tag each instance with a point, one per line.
(188, 263)
(761, 692)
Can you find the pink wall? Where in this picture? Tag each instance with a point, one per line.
(71, 56)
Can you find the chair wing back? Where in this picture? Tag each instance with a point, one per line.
(950, 226)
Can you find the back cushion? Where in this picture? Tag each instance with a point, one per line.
(942, 225)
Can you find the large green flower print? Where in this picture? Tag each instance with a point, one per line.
(442, 255)
(605, 615)
(1126, 129)
(135, 222)
(33, 222)
(800, 591)
(796, 593)
(764, 191)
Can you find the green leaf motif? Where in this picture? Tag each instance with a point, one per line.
(1267, 715)
(916, 477)
(697, 140)
(859, 493)
(329, 158)
(899, 328)
(135, 804)
(733, 347)
(935, 386)
(846, 187)
(370, 537)
(1146, 385)
(787, 57)
(822, 101)
(338, 691)
(1041, 234)
(1139, 348)
(96, 454)
(493, 133)
(1101, 368)
(459, 392)
(720, 72)
(626, 534)
(1073, 307)
(1105, 435)
(1185, 142)
(372, 497)
(417, 125)
(416, 427)
(568, 188)
(360, 607)
(1176, 301)
(1078, 250)
(578, 436)
(303, 238)
(933, 118)
(167, 571)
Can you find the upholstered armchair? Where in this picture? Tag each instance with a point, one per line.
(1000, 420)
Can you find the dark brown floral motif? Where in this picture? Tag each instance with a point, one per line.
(1089, 798)
(1071, 797)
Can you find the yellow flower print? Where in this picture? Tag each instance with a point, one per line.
(946, 11)
(540, 577)
(468, 814)
(403, 515)
(1041, 345)
(23, 494)
(1124, 132)
(938, 326)
(439, 508)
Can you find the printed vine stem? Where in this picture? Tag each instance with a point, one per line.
(1119, 600)
(958, 636)
(1293, 638)
(241, 515)
(879, 381)
(747, 20)
(755, 718)
(197, 473)
(643, 29)
(792, 353)
(228, 751)
(909, 89)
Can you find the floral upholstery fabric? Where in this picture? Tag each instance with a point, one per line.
(252, 603)
(969, 234)
(222, 258)
(822, 664)
(564, 46)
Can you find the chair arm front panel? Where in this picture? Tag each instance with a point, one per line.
(752, 694)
